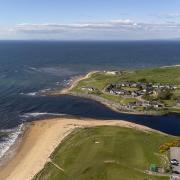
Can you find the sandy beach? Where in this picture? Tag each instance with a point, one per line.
(73, 84)
(40, 140)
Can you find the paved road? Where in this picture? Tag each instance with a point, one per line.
(175, 154)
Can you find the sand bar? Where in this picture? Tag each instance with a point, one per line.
(40, 140)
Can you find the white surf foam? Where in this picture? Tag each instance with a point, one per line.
(38, 114)
(12, 134)
(9, 140)
(64, 83)
(32, 93)
(45, 90)
(29, 94)
(176, 65)
(36, 93)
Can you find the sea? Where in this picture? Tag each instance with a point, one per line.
(30, 67)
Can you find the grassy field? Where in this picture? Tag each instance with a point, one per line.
(157, 75)
(100, 80)
(106, 153)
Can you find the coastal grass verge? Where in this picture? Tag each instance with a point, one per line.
(106, 152)
(100, 80)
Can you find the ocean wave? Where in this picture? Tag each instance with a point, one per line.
(38, 114)
(36, 93)
(64, 83)
(11, 135)
(58, 71)
(45, 90)
(29, 94)
(41, 92)
(176, 65)
(32, 93)
(9, 140)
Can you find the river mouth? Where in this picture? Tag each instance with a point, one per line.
(27, 68)
(67, 105)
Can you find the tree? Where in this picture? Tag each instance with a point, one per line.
(143, 80)
(165, 94)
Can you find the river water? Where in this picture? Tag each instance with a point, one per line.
(28, 67)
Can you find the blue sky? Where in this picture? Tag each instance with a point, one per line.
(90, 19)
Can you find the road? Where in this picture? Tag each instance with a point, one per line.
(175, 154)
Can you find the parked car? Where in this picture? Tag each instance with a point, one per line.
(175, 172)
(174, 161)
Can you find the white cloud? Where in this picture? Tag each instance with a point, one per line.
(26, 27)
(112, 25)
(117, 28)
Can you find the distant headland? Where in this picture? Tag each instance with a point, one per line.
(146, 91)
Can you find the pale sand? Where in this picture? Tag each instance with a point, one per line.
(74, 83)
(40, 140)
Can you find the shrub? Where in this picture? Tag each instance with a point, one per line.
(166, 146)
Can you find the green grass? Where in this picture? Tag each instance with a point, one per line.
(157, 75)
(121, 153)
(169, 103)
(128, 100)
(100, 80)
(111, 97)
(177, 92)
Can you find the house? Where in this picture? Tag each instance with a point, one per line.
(128, 93)
(134, 94)
(178, 102)
(119, 92)
(157, 105)
(88, 89)
(134, 85)
(111, 72)
(155, 86)
(110, 87)
(131, 105)
(139, 103)
(141, 93)
(111, 91)
(174, 87)
(145, 104)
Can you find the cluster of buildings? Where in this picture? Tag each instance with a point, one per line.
(136, 90)
(145, 104)
(140, 88)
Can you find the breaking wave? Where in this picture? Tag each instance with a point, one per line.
(9, 138)
(39, 114)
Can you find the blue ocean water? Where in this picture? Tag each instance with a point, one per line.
(27, 67)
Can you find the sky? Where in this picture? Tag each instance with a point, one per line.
(89, 19)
